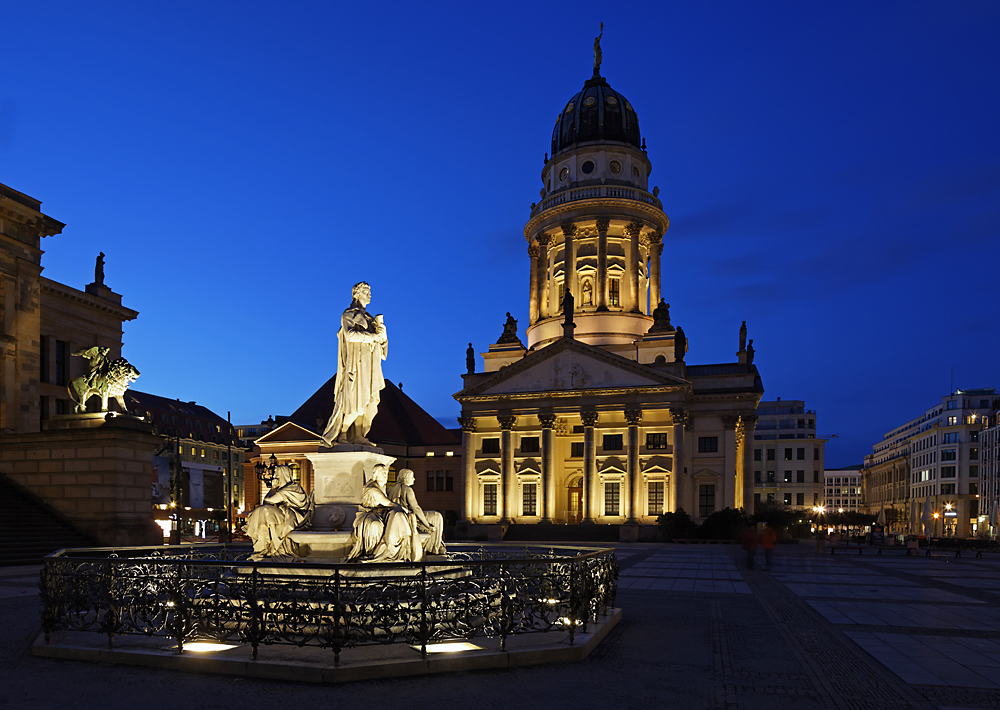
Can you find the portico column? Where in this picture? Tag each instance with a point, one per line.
(678, 483)
(732, 485)
(542, 278)
(633, 230)
(589, 466)
(470, 507)
(655, 252)
(507, 482)
(533, 251)
(569, 258)
(602, 263)
(548, 422)
(748, 423)
(633, 476)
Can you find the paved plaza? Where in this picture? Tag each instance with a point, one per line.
(698, 631)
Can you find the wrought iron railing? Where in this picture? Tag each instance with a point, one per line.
(215, 593)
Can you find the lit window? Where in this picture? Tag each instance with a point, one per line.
(655, 498)
(612, 498)
(529, 499)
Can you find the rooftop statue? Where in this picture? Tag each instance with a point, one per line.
(743, 337)
(431, 522)
(99, 270)
(509, 334)
(750, 352)
(661, 318)
(598, 57)
(361, 346)
(470, 360)
(286, 507)
(382, 530)
(105, 379)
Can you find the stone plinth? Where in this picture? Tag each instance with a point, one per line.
(338, 477)
(97, 473)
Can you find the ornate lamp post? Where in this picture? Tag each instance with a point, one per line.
(265, 474)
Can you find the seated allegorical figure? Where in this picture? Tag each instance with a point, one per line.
(286, 507)
(381, 528)
(431, 521)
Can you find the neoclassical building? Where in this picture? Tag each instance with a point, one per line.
(596, 417)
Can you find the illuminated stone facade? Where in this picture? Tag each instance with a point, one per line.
(601, 420)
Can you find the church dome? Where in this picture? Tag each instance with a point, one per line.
(596, 113)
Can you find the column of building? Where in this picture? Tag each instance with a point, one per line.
(633, 230)
(533, 251)
(678, 479)
(569, 259)
(747, 426)
(548, 422)
(508, 483)
(633, 476)
(542, 276)
(589, 466)
(603, 223)
(729, 493)
(470, 508)
(655, 252)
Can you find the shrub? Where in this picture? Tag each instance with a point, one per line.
(725, 524)
(676, 526)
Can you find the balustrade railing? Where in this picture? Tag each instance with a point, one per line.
(596, 192)
(214, 593)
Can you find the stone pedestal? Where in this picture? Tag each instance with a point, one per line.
(338, 477)
(97, 472)
(628, 532)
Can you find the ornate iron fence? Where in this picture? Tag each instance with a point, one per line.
(213, 592)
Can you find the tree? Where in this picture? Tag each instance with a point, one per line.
(725, 524)
(677, 526)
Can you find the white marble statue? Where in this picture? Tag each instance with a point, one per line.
(286, 507)
(381, 528)
(361, 347)
(431, 521)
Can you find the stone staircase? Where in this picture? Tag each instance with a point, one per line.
(562, 533)
(30, 529)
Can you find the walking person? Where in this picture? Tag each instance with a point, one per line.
(767, 542)
(750, 543)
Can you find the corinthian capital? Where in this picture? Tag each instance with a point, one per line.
(633, 229)
(568, 228)
(589, 418)
(534, 250)
(679, 415)
(633, 416)
(467, 423)
(602, 224)
(507, 421)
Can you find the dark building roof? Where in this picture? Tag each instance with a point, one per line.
(596, 113)
(400, 420)
(172, 417)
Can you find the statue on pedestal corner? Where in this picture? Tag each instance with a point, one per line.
(361, 346)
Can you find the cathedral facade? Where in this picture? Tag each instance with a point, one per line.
(596, 417)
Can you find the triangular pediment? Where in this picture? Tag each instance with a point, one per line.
(571, 365)
(289, 433)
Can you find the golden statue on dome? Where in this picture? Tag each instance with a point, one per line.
(597, 52)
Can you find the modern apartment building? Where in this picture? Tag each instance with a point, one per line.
(843, 489)
(788, 457)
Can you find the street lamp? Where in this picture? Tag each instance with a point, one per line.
(265, 474)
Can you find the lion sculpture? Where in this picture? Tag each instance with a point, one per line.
(107, 378)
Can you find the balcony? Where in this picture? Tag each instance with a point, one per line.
(596, 192)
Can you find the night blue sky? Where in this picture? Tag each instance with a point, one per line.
(831, 172)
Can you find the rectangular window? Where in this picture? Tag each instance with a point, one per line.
(576, 449)
(800, 499)
(815, 476)
(770, 454)
(947, 472)
(788, 454)
(756, 498)
(655, 498)
(62, 362)
(973, 489)
(43, 408)
(770, 476)
(974, 471)
(815, 453)
(953, 404)
(614, 292)
(788, 499)
(815, 498)
(952, 421)
(949, 454)
(612, 498)
(756, 476)
(947, 488)
(708, 444)
(529, 445)
(43, 355)
(973, 508)
(756, 455)
(613, 442)
(770, 497)
(973, 453)
(800, 454)
(529, 499)
(951, 438)
(706, 499)
(800, 476)
(788, 477)
(656, 441)
(62, 406)
(491, 446)
(449, 481)
(430, 480)
(439, 478)
(489, 499)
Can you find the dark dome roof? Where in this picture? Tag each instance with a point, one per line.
(597, 113)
